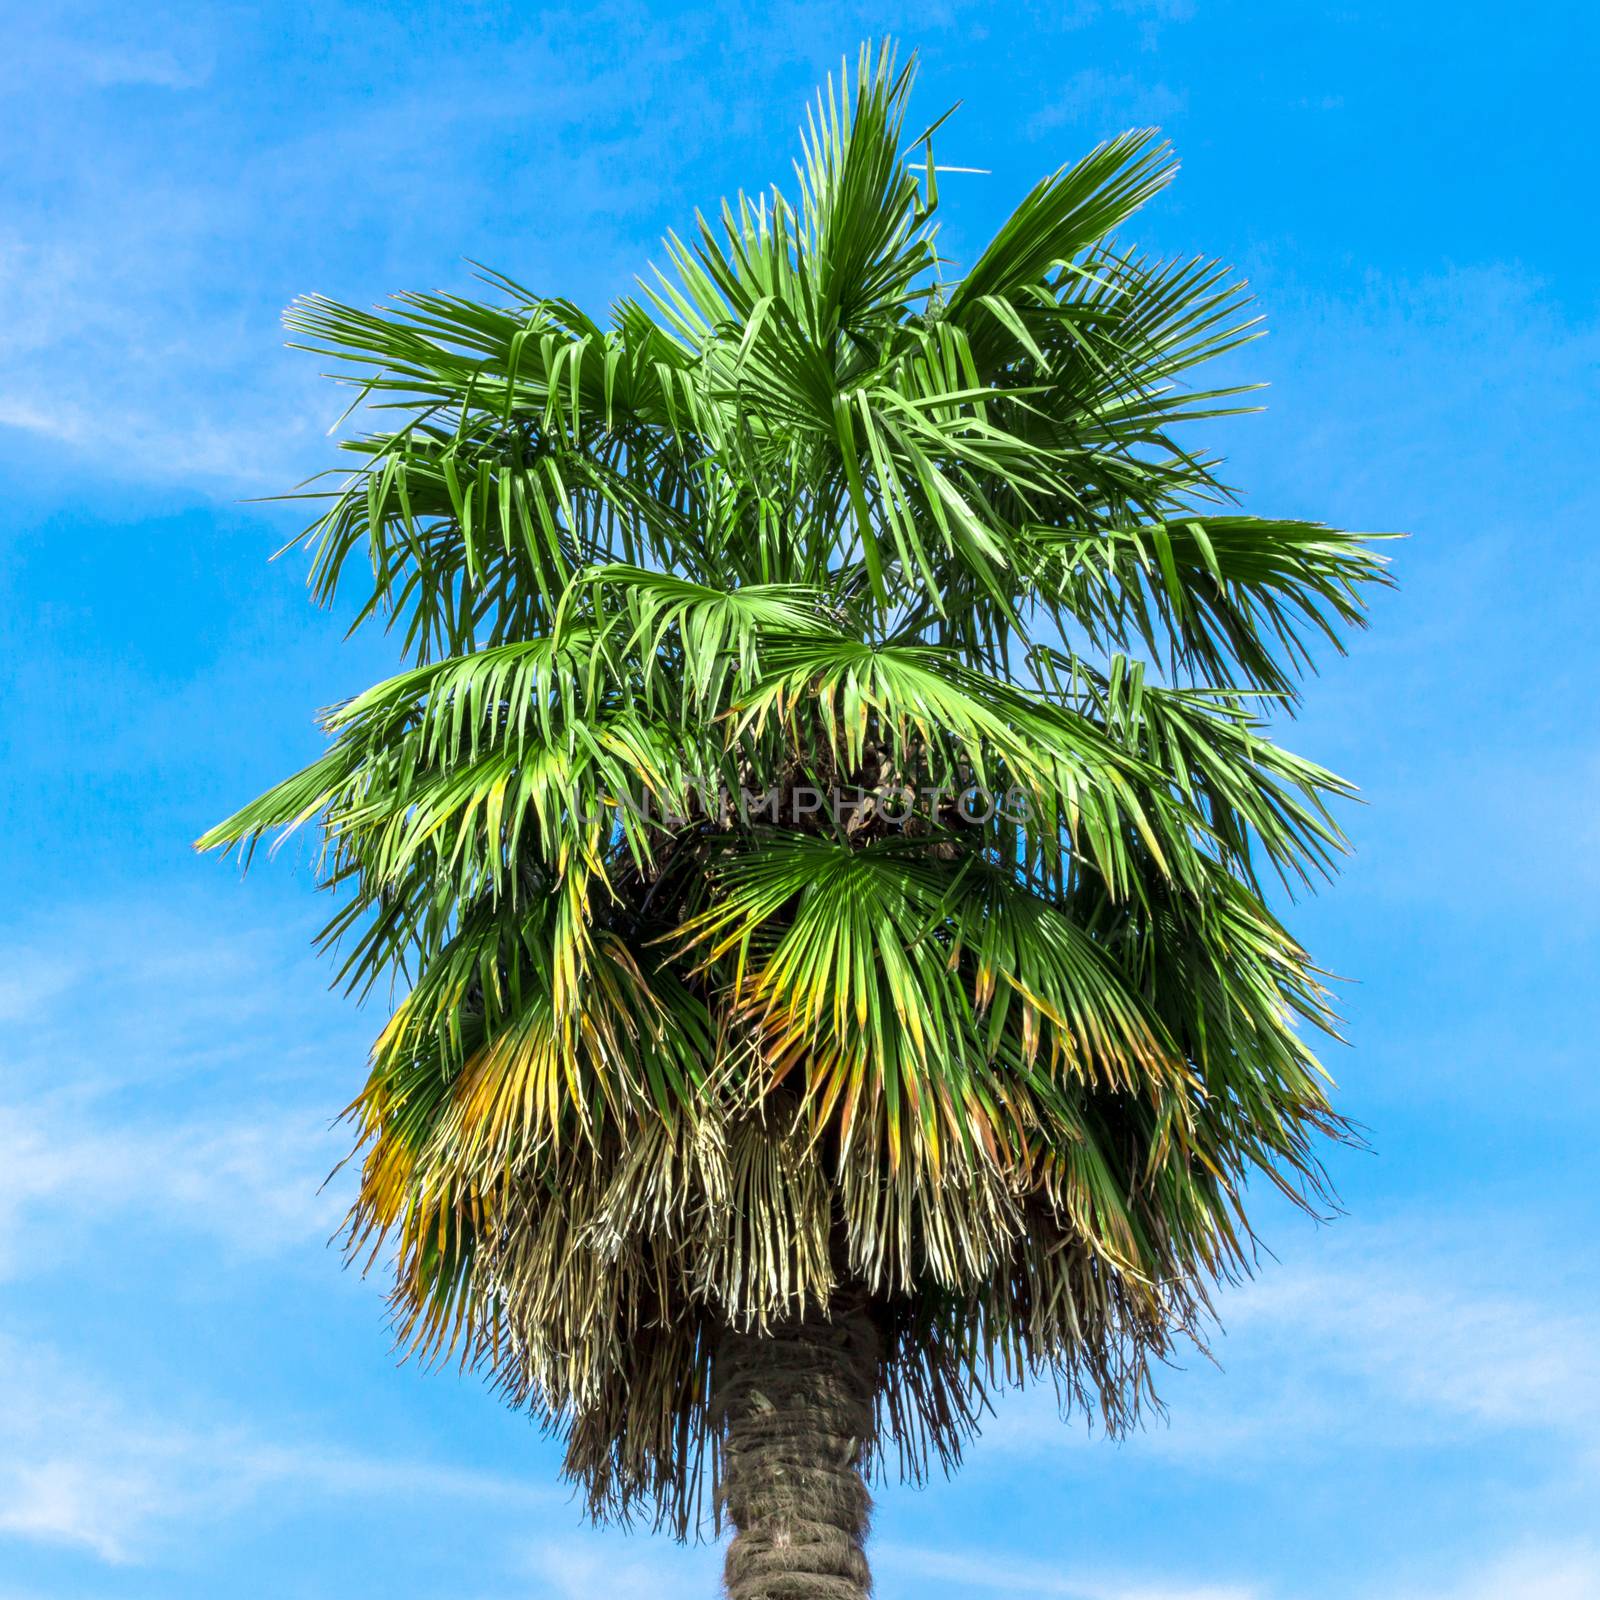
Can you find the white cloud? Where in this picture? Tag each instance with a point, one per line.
(1532, 1572)
(113, 67)
(1377, 1338)
(30, 983)
(246, 455)
(589, 1562)
(109, 996)
(164, 1081)
(986, 1571)
(251, 1183)
(1562, 1571)
(1463, 1333)
(79, 1467)
(95, 295)
(166, 1067)
(79, 48)
(143, 295)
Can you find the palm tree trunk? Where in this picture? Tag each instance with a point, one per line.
(796, 1404)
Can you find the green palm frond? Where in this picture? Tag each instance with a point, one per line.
(1213, 598)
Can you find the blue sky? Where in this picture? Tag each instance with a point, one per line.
(194, 1399)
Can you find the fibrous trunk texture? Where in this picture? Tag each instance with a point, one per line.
(796, 1403)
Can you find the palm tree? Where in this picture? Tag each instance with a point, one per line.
(821, 835)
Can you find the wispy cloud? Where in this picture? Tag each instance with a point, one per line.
(106, 996)
(1568, 1571)
(78, 47)
(587, 1562)
(1098, 98)
(156, 1069)
(1564, 1571)
(155, 68)
(250, 1183)
(1449, 1328)
(81, 1467)
(31, 982)
(164, 1069)
(987, 1571)
(176, 227)
(115, 350)
(143, 292)
(1384, 1337)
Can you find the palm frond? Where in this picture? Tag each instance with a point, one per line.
(818, 837)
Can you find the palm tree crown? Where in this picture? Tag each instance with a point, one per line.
(821, 832)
